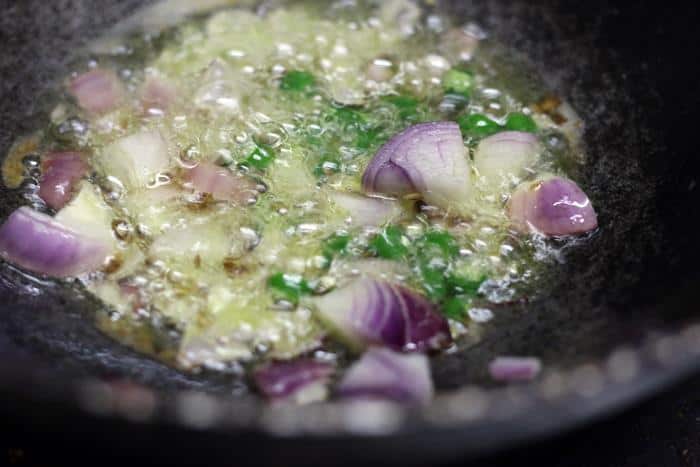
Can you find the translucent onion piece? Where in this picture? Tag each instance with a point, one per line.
(428, 158)
(97, 91)
(301, 381)
(510, 369)
(370, 311)
(506, 154)
(384, 374)
(61, 172)
(38, 243)
(552, 206)
(136, 159)
(365, 210)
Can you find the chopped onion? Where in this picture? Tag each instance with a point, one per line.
(300, 381)
(38, 243)
(221, 183)
(136, 159)
(209, 242)
(369, 311)
(88, 214)
(552, 206)
(61, 172)
(428, 158)
(97, 91)
(157, 95)
(506, 154)
(511, 369)
(365, 210)
(384, 374)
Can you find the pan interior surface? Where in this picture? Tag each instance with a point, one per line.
(621, 302)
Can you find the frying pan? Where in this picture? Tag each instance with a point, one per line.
(619, 324)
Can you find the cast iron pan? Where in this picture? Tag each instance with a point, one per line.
(618, 324)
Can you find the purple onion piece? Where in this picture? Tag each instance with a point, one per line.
(428, 158)
(505, 154)
(369, 311)
(60, 173)
(302, 380)
(36, 242)
(553, 206)
(387, 375)
(221, 183)
(97, 91)
(157, 95)
(512, 369)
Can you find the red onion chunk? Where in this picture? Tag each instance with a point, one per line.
(365, 210)
(97, 91)
(303, 380)
(157, 95)
(507, 153)
(61, 172)
(221, 183)
(512, 369)
(553, 206)
(369, 311)
(384, 374)
(428, 158)
(36, 242)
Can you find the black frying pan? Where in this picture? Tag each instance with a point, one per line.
(618, 326)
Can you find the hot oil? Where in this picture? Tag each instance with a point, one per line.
(189, 281)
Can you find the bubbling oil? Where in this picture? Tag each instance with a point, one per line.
(296, 99)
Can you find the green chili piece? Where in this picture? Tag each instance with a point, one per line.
(368, 137)
(458, 82)
(407, 106)
(478, 125)
(433, 281)
(389, 243)
(518, 121)
(289, 286)
(442, 239)
(298, 81)
(455, 308)
(459, 285)
(259, 158)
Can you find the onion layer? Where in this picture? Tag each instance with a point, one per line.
(38, 243)
(135, 159)
(507, 154)
(384, 374)
(221, 183)
(428, 158)
(369, 311)
(97, 91)
(301, 381)
(365, 210)
(60, 173)
(552, 206)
